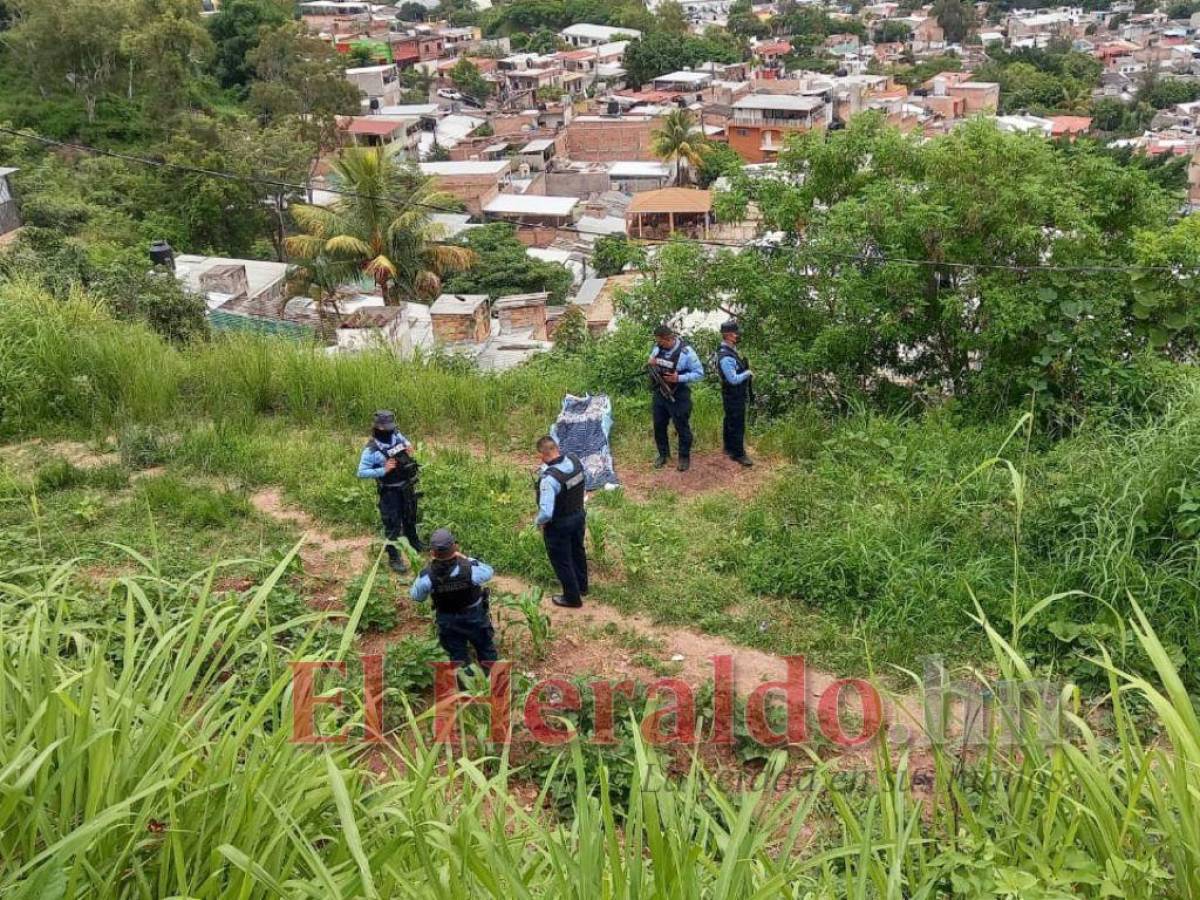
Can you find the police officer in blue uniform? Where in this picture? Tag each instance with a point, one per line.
(735, 375)
(460, 601)
(679, 366)
(387, 459)
(561, 489)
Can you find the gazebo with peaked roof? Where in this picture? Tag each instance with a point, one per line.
(684, 209)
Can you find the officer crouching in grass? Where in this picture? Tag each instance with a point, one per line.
(460, 601)
(388, 459)
(561, 517)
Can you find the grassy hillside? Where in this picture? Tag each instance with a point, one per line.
(149, 609)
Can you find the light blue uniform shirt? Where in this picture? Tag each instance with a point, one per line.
(370, 464)
(729, 368)
(481, 573)
(549, 488)
(688, 368)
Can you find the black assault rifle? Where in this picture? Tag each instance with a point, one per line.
(660, 384)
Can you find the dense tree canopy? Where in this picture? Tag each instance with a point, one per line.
(659, 53)
(504, 267)
(982, 212)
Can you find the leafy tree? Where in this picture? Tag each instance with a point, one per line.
(717, 160)
(542, 41)
(571, 332)
(169, 46)
(1161, 93)
(73, 42)
(362, 53)
(300, 78)
(892, 31)
(678, 141)
(956, 18)
(382, 227)
(671, 18)
(412, 12)
(466, 77)
(153, 296)
(504, 267)
(658, 53)
(281, 152)
(613, 252)
(980, 316)
(235, 32)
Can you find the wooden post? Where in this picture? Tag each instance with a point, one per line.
(671, 222)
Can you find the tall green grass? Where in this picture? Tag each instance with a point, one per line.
(67, 367)
(149, 756)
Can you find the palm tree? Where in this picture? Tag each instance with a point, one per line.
(381, 225)
(678, 141)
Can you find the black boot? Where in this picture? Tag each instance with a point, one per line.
(660, 460)
(685, 463)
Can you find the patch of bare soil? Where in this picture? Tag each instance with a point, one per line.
(710, 472)
(77, 453)
(325, 556)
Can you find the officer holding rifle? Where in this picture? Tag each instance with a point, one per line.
(387, 459)
(673, 366)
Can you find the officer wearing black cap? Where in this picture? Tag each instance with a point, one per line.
(678, 366)
(387, 458)
(460, 601)
(561, 488)
(735, 377)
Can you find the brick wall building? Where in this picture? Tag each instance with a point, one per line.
(610, 139)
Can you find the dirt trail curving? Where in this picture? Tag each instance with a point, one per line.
(596, 639)
(324, 555)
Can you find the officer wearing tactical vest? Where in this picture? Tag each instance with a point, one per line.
(735, 377)
(387, 458)
(561, 488)
(460, 601)
(679, 366)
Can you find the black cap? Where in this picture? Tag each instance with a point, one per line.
(663, 330)
(730, 327)
(442, 541)
(384, 420)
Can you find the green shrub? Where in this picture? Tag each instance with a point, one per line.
(379, 613)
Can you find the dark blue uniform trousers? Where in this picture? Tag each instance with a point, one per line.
(564, 545)
(733, 426)
(678, 413)
(459, 632)
(396, 506)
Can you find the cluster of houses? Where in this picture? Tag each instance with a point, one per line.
(562, 146)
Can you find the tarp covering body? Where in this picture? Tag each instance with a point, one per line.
(583, 427)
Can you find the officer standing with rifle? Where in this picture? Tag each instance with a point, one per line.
(460, 601)
(561, 488)
(387, 458)
(735, 375)
(673, 366)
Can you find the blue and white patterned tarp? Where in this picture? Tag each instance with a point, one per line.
(582, 428)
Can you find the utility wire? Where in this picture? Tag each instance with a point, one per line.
(868, 258)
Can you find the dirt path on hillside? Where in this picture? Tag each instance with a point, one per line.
(596, 639)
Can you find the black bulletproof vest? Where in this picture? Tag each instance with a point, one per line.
(667, 362)
(570, 498)
(452, 593)
(739, 366)
(403, 471)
